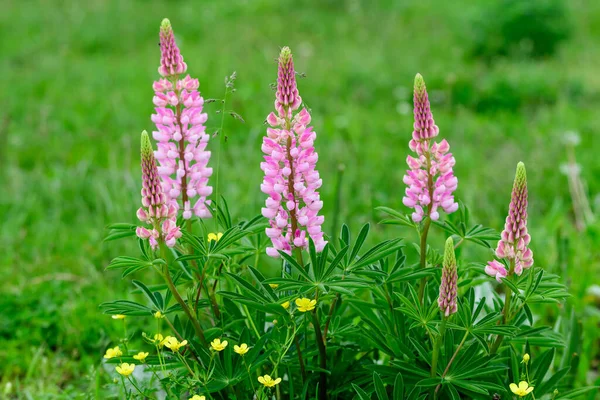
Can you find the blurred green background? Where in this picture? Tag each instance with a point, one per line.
(508, 81)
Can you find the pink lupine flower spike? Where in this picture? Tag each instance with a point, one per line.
(181, 134)
(430, 179)
(291, 179)
(514, 240)
(448, 285)
(154, 211)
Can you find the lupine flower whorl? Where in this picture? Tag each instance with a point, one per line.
(291, 179)
(181, 134)
(514, 240)
(430, 179)
(154, 210)
(448, 285)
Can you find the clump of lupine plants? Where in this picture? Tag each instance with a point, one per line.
(335, 319)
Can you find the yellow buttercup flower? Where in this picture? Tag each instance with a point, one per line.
(215, 236)
(305, 304)
(525, 358)
(159, 340)
(125, 369)
(196, 397)
(218, 345)
(273, 285)
(114, 352)
(522, 390)
(174, 344)
(141, 356)
(241, 349)
(118, 316)
(158, 315)
(268, 381)
(285, 305)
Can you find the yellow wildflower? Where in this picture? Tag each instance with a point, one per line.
(125, 369)
(218, 345)
(159, 340)
(158, 315)
(118, 316)
(215, 236)
(114, 352)
(174, 344)
(196, 397)
(268, 381)
(241, 349)
(525, 358)
(522, 390)
(285, 305)
(141, 356)
(305, 304)
(273, 285)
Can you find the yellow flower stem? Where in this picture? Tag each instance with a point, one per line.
(249, 377)
(182, 358)
(177, 296)
(436, 348)
(125, 334)
(136, 386)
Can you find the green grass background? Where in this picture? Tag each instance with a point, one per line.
(76, 76)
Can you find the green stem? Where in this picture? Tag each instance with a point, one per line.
(505, 311)
(437, 346)
(221, 140)
(423, 260)
(177, 296)
(322, 357)
(462, 342)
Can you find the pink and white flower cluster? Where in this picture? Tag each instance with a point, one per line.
(154, 210)
(430, 179)
(181, 134)
(514, 240)
(291, 180)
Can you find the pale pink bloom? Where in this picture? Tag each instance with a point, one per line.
(430, 179)
(514, 239)
(181, 133)
(291, 179)
(496, 269)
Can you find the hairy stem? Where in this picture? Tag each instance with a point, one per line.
(436, 349)
(505, 311)
(423, 260)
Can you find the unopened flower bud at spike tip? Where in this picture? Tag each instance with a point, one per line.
(521, 175)
(448, 286)
(449, 256)
(165, 25)
(146, 145)
(419, 84)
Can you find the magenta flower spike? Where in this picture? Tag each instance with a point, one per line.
(514, 240)
(181, 134)
(154, 210)
(430, 179)
(291, 179)
(448, 285)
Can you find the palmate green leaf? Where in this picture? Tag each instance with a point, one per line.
(540, 365)
(335, 262)
(120, 230)
(397, 218)
(552, 383)
(398, 387)
(266, 307)
(362, 395)
(377, 253)
(360, 240)
(248, 289)
(574, 393)
(410, 274)
(152, 297)
(125, 307)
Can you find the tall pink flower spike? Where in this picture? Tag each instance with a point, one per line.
(181, 134)
(514, 240)
(291, 179)
(154, 210)
(430, 179)
(448, 285)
